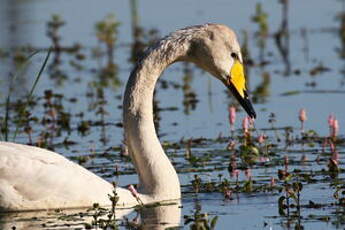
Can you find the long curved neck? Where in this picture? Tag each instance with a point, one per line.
(157, 176)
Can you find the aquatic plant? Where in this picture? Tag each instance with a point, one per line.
(302, 116)
(98, 213)
(20, 121)
(199, 220)
(107, 34)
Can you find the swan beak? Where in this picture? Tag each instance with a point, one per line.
(236, 83)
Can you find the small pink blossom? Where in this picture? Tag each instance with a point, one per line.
(302, 115)
(245, 124)
(264, 159)
(335, 128)
(333, 125)
(133, 191)
(235, 173)
(331, 119)
(261, 138)
(232, 116)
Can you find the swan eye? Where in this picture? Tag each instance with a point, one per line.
(234, 56)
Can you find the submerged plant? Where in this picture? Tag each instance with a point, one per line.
(97, 212)
(200, 221)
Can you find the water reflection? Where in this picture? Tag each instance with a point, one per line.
(161, 217)
(17, 31)
(261, 18)
(107, 35)
(262, 90)
(189, 96)
(158, 217)
(199, 219)
(341, 18)
(282, 37)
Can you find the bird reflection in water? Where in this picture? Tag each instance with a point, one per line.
(155, 217)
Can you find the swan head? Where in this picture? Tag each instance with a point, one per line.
(216, 49)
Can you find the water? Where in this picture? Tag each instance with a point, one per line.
(313, 41)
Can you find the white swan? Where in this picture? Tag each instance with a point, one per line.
(32, 178)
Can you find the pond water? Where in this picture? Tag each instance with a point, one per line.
(76, 106)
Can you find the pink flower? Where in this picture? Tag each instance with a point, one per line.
(261, 138)
(331, 119)
(133, 191)
(333, 125)
(235, 173)
(245, 124)
(264, 159)
(302, 115)
(335, 128)
(232, 115)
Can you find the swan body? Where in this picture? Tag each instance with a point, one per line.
(32, 178)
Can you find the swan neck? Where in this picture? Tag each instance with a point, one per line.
(157, 176)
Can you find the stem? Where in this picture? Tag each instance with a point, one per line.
(34, 85)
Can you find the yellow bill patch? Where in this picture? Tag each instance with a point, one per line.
(237, 77)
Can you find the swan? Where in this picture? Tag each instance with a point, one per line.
(33, 178)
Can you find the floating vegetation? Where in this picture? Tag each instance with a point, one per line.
(289, 163)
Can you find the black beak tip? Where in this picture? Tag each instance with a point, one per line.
(244, 101)
(250, 110)
(252, 115)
